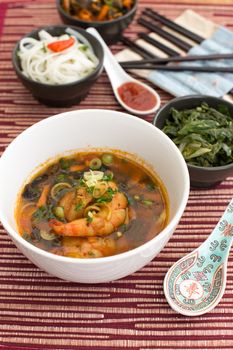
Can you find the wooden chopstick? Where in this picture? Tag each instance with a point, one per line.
(175, 68)
(157, 44)
(137, 48)
(182, 59)
(170, 24)
(173, 39)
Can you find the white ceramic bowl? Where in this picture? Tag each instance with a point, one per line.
(95, 128)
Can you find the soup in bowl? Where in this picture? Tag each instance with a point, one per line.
(91, 202)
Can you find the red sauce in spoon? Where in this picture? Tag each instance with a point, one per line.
(137, 96)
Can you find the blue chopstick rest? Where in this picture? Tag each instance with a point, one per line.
(190, 83)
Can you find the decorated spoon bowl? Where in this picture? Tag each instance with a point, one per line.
(195, 284)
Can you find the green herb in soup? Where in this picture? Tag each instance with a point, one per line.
(203, 134)
(92, 204)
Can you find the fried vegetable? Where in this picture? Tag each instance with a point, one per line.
(43, 197)
(203, 134)
(98, 10)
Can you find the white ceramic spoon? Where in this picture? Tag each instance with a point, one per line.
(195, 284)
(118, 77)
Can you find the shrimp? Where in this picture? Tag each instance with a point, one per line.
(103, 223)
(96, 247)
(74, 203)
(87, 247)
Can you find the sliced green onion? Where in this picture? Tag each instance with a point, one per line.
(59, 212)
(107, 159)
(92, 177)
(95, 164)
(119, 234)
(147, 202)
(58, 187)
(89, 217)
(108, 175)
(99, 189)
(90, 210)
(47, 235)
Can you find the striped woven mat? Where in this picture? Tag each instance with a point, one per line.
(38, 311)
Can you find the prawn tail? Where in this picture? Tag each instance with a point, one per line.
(56, 225)
(78, 228)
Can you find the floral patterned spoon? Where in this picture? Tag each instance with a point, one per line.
(195, 284)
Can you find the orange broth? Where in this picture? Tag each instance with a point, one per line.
(92, 204)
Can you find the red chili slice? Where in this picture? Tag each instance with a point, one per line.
(61, 45)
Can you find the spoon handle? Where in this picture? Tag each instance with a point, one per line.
(220, 240)
(195, 284)
(115, 72)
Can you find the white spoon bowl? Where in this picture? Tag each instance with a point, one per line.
(118, 77)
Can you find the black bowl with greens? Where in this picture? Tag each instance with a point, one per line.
(202, 128)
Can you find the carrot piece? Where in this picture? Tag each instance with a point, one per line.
(85, 15)
(127, 3)
(66, 5)
(103, 13)
(25, 219)
(43, 197)
(132, 213)
(60, 45)
(77, 167)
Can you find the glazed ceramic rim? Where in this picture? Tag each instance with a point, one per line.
(170, 227)
(60, 26)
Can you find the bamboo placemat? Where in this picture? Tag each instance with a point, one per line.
(38, 311)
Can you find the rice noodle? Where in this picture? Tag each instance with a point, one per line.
(41, 64)
(80, 37)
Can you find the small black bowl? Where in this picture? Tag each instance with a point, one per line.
(200, 177)
(66, 94)
(110, 31)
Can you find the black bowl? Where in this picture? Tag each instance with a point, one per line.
(200, 177)
(110, 31)
(66, 94)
